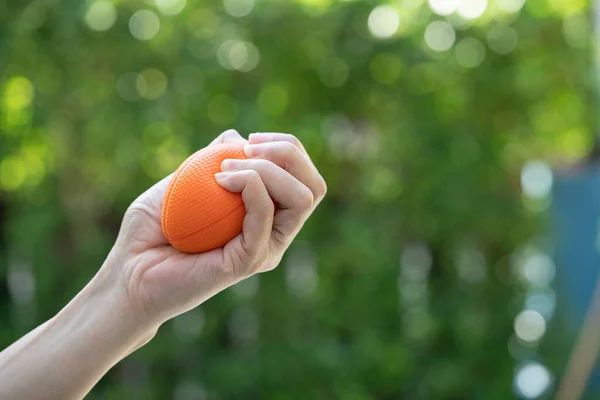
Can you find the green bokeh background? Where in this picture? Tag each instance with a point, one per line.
(422, 152)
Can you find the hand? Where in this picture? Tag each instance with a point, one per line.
(159, 282)
(145, 281)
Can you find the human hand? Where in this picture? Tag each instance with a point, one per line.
(145, 281)
(160, 282)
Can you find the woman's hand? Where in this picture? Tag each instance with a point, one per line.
(159, 282)
(145, 281)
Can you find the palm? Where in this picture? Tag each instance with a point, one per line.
(161, 275)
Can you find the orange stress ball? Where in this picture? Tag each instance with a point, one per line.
(198, 215)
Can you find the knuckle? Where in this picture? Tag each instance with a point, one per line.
(253, 177)
(306, 197)
(230, 134)
(267, 165)
(293, 140)
(321, 188)
(288, 149)
(269, 206)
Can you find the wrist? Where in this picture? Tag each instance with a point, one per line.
(100, 322)
(104, 310)
(68, 354)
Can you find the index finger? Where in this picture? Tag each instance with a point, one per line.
(229, 136)
(265, 137)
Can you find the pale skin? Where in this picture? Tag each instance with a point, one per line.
(144, 281)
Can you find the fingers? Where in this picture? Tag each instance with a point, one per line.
(229, 136)
(287, 191)
(291, 158)
(265, 137)
(249, 249)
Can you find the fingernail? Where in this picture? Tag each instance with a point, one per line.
(220, 177)
(228, 165)
(251, 151)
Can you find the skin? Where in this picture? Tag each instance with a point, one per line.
(144, 281)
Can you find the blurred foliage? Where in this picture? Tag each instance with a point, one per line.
(400, 285)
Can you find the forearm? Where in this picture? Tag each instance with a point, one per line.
(66, 356)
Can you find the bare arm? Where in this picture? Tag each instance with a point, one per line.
(145, 282)
(66, 356)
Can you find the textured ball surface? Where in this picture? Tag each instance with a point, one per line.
(198, 215)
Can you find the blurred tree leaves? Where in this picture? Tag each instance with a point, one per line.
(419, 148)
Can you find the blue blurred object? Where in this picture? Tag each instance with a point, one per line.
(576, 219)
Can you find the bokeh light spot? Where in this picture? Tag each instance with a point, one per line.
(144, 25)
(510, 6)
(471, 9)
(538, 269)
(542, 301)
(440, 36)
(237, 55)
(576, 30)
(536, 179)
(141, 85)
(532, 380)
(383, 22)
(153, 82)
(444, 7)
(100, 16)
(16, 118)
(568, 7)
(502, 39)
(35, 168)
(315, 7)
(21, 283)
(576, 143)
(12, 173)
(170, 7)
(470, 53)
(238, 8)
(530, 326)
(18, 93)
(416, 261)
